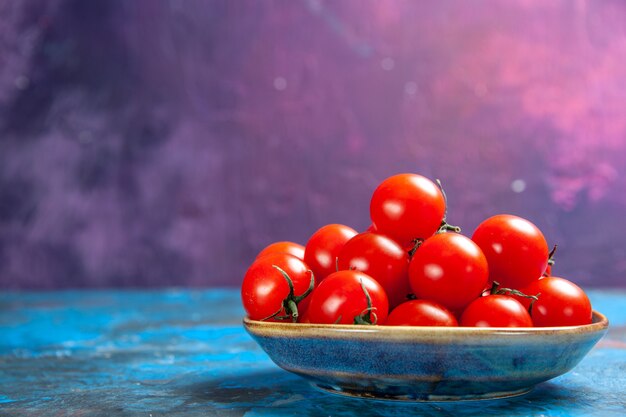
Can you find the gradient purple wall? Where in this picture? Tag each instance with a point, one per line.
(152, 143)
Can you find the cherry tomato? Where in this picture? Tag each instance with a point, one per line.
(323, 248)
(381, 258)
(342, 298)
(421, 313)
(516, 250)
(496, 311)
(560, 303)
(291, 248)
(450, 269)
(407, 207)
(265, 289)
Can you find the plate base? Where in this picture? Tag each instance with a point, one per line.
(374, 395)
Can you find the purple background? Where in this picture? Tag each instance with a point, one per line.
(150, 143)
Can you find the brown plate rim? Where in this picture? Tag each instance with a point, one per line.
(342, 331)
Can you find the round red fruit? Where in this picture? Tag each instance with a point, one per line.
(421, 313)
(516, 250)
(348, 297)
(381, 258)
(450, 269)
(323, 248)
(407, 207)
(291, 248)
(560, 303)
(265, 289)
(496, 311)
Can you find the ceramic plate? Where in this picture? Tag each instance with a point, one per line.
(426, 363)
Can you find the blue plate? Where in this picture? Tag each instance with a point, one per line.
(426, 363)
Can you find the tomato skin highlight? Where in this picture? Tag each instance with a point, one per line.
(323, 248)
(516, 250)
(264, 288)
(560, 303)
(421, 313)
(291, 248)
(496, 311)
(381, 258)
(407, 207)
(340, 298)
(449, 269)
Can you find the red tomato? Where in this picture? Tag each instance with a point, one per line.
(421, 313)
(560, 303)
(372, 228)
(323, 248)
(291, 248)
(342, 298)
(382, 259)
(496, 311)
(265, 291)
(406, 207)
(450, 269)
(515, 248)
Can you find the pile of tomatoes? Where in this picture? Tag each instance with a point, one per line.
(412, 268)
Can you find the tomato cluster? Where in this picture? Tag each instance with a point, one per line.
(412, 268)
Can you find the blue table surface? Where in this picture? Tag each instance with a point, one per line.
(184, 352)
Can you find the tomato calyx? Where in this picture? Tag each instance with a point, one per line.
(417, 242)
(550, 260)
(497, 290)
(445, 226)
(290, 303)
(368, 316)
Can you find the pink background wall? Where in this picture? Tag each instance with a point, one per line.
(151, 143)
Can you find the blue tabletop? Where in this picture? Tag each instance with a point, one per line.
(185, 352)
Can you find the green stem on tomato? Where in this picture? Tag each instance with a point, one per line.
(445, 226)
(416, 244)
(366, 315)
(551, 255)
(495, 290)
(550, 260)
(290, 304)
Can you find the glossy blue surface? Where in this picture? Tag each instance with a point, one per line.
(180, 352)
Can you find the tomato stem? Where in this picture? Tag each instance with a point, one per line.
(366, 315)
(495, 290)
(416, 245)
(445, 226)
(532, 303)
(494, 287)
(290, 303)
(550, 260)
(551, 255)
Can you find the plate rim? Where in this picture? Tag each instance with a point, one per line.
(600, 323)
